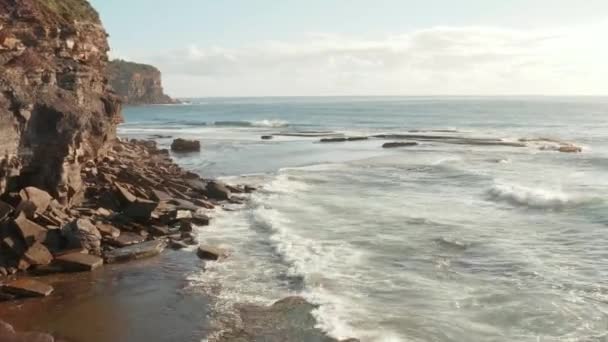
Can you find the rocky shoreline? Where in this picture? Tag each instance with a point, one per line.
(137, 202)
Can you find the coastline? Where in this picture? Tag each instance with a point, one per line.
(123, 298)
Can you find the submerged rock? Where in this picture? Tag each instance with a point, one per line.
(399, 144)
(134, 252)
(218, 190)
(26, 287)
(183, 145)
(210, 253)
(289, 319)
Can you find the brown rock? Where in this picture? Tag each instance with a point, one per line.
(570, 149)
(26, 287)
(78, 262)
(107, 230)
(138, 251)
(29, 231)
(200, 219)
(5, 210)
(210, 253)
(15, 245)
(40, 198)
(218, 190)
(38, 255)
(126, 239)
(399, 144)
(81, 233)
(182, 145)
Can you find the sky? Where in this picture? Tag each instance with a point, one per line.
(208, 48)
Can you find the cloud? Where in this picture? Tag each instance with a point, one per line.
(440, 60)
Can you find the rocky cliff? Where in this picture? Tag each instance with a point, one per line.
(137, 83)
(56, 108)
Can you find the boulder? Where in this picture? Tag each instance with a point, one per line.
(267, 137)
(107, 230)
(38, 255)
(40, 198)
(15, 245)
(218, 190)
(78, 262)
(176, 244)
(81, 233)
(134, 252)
(5, 210)
(134, 207)
(29, 231)
(210, 253)
(126, 239)
(141, 209)
(399, 144)
(183, 145)
(26, 287)
(570, 149)
(200, 219)
(332, 140)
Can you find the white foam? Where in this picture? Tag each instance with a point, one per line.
(275, 123)
(535, 197)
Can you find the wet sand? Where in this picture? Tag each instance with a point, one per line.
(136, 302)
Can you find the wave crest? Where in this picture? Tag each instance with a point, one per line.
(534, 197)
(259, 123)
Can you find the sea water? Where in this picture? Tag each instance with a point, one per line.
(435, 242)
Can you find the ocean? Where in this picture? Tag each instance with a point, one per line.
(454, 239)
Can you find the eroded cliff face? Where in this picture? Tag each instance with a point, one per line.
(56, 108)
(137, 83)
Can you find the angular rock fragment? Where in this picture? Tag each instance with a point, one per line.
(210, 253)
(78, 262)
(107, 230)
(126, 239)
(399, 144)
(29, 231)
(40, 198)
(81, 233)
(38, 255)
(134, 252)
(218, 190)
(183, 145)
(26, 287)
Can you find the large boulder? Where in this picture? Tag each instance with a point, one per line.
(39, 198)
(183, 145)
(81, 233)
(212, 253)
(134, 252)
(218, 190)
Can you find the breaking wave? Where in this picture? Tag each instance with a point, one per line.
(259, 123)
(535, 197)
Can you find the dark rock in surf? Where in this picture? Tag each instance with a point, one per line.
(289, 319)
(210, 253)
(139, 251)
(183, 145)
(218, 190)
(399, 144)
(267, 137)
(333, 140)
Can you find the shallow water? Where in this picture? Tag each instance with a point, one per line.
(437, 242)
